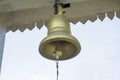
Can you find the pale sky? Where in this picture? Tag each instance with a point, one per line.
(99, 58)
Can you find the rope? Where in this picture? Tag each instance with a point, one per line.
(57, 67)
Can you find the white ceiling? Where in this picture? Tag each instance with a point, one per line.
(22, 14)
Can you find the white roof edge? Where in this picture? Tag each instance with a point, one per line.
(83, 20)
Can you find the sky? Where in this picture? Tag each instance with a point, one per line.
(99, 58)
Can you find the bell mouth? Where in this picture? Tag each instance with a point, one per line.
(66, 47)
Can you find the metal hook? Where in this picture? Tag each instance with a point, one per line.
(56, 6)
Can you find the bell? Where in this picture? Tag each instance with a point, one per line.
(59, 43)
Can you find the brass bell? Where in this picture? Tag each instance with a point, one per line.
(59, 44)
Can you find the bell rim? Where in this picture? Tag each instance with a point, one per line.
(49, 39)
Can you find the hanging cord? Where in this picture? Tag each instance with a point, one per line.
(57, 67)
(57, 54)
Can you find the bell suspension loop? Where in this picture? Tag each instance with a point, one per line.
(58, 7)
